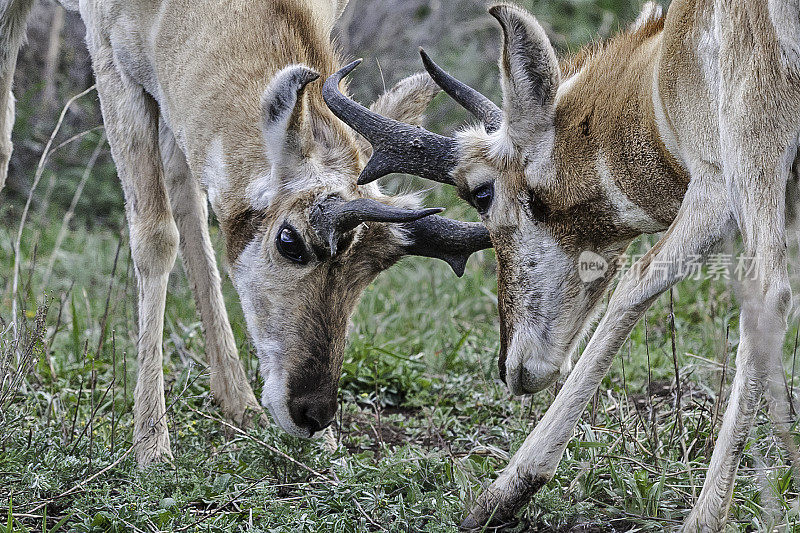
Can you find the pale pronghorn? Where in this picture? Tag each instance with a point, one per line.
(217, 97)
(687, 123)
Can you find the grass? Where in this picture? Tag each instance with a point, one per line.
(424, 421)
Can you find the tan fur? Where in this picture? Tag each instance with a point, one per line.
(690, 121)
(194, 98)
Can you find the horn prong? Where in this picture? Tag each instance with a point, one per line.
(334, 217)
(397, 147)
(451, 241)
(470, 99)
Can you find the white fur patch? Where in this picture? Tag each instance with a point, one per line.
(665, 130)
(708, 57)
(785, 20)
(650, 11)
(215, 177)
(269, 349)
(629, 213)
(261, 191)
(566, 85)
(529, 367)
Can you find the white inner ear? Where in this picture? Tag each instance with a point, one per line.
(282, 127)
(277, 107)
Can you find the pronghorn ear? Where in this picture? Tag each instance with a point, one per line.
(284, 123)
(405, 102)
(530, 72)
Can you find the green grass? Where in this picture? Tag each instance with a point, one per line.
(424, 420)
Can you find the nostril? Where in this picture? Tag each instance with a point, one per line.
(317, 419)
(313, 413)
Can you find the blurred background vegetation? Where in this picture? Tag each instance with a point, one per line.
(459, 34)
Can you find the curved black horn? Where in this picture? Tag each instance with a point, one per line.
(397, 147)
(479, 105)
(334, 217)
(450, 240)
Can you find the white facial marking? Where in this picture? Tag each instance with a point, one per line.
(629, 213)
(261, 191)
(249, 284)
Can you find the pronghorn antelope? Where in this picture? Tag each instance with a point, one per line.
(687, 123)
(217, 97)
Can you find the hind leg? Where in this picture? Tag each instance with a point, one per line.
(229, 383)
(758, 141)
(765, 304)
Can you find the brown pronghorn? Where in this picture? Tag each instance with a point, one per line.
(688, 123)
(217, 98)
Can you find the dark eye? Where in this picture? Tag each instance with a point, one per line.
(482, 197)
(290, 245)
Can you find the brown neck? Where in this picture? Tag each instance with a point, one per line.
(607, 139)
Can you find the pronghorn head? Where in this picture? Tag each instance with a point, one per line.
(540, 174)
(304, 240)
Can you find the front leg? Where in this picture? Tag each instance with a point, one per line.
(131, 122)
(534, 464)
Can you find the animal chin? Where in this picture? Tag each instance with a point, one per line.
(531, 365)
(523, 381)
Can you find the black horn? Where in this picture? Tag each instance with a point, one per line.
(397, 147)
(334, 217)
(479, 105)
(449, 240)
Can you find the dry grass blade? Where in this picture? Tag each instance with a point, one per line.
(23, 219)
(79, 486)
(266, 445)
(17, 357)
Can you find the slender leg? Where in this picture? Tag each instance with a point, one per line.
(189, 206)
(756, 178)
(12, 31)
(6, 124)
(692, 232)
(131, 121)
(765, 305)
(762, 328)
